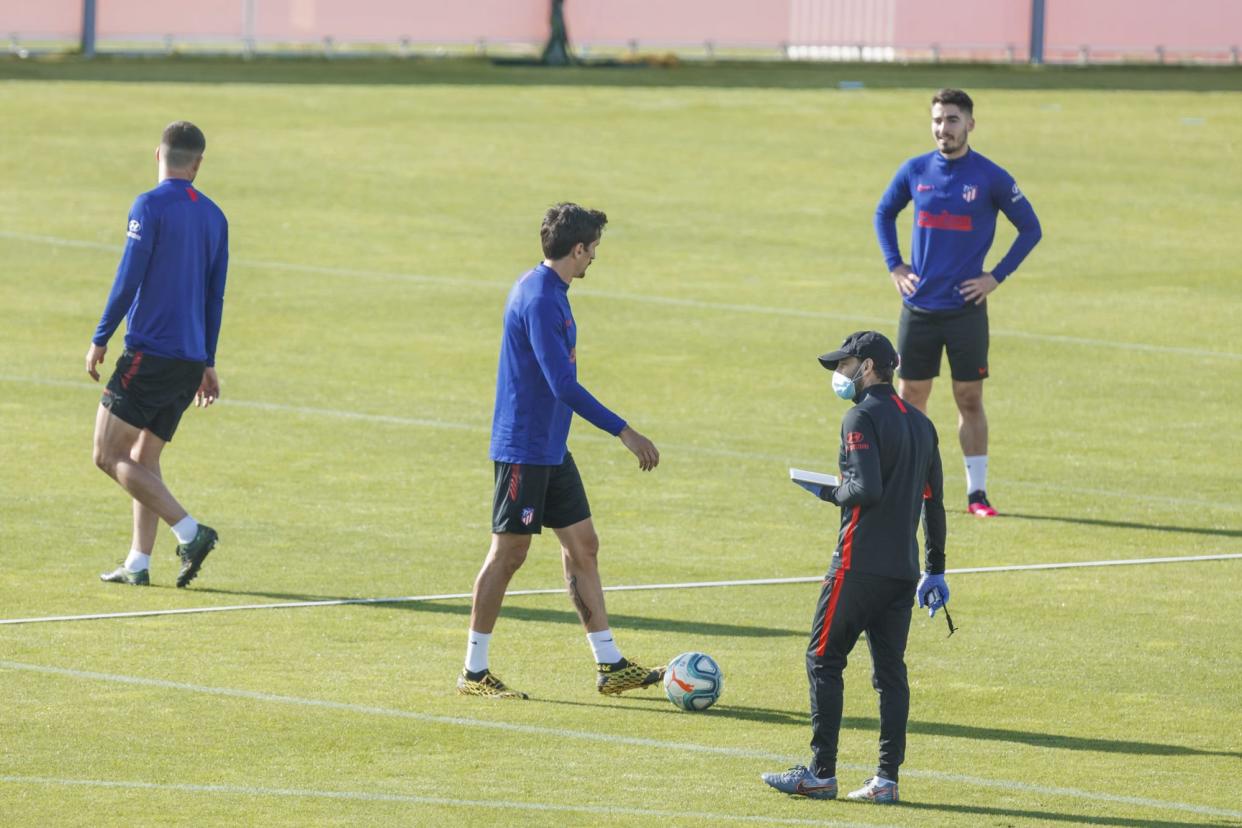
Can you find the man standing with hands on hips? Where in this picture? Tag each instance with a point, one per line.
(890, 474)
(957, 194)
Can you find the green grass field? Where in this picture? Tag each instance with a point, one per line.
(379, 213)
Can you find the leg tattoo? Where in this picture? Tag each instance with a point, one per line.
(584, 612)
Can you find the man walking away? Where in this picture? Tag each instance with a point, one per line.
(169, 288)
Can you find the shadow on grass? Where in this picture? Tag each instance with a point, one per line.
(658, 704)
(697, 628)
(1128, 524)
(1043, 740)
(654, 701)
(736, 74)
(1054, 816)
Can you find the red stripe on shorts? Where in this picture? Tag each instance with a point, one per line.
(132, 370)
(515, 478)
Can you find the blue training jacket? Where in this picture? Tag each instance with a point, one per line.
(537, 390)
(955, 207)
(170, 283)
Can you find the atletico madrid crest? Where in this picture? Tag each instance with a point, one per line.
(969, 192)
(528, 514)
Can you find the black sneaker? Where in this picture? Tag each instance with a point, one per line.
(977, 504)
(193, 554)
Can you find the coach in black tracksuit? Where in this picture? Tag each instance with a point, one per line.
(890, 472)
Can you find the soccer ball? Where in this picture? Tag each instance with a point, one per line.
(693, 681)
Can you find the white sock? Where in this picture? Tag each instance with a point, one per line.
(476, 651)
(185, 529)
(137, 561)
(976, 473)
(604, 648)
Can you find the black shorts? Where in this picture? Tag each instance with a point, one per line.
(152, 392)
(528, 498)
(923, 335)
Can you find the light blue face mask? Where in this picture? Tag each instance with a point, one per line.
(843, 386)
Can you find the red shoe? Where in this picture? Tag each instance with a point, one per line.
(978, 504)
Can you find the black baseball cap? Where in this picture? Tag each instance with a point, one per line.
(871, 345)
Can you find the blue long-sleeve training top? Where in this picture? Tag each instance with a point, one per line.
(955, 207)
(537, 390)
(169, 286)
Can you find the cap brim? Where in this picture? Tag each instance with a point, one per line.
(830, 359)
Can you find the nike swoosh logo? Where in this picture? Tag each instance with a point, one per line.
(804, 788)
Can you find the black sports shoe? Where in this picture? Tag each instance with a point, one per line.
(193, 554)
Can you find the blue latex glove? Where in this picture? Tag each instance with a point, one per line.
(932, 593)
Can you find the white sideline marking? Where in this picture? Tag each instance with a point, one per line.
(419, 422)
(593, 736)
(392, 419)
(413, 599)
(637, 297)
(369, 796)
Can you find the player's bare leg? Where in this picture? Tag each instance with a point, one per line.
(146, 453)
(115, 442)
(972, 433)
(506, 556)
(580, 560)
(915, 392)
(972, 422)
(504, 559)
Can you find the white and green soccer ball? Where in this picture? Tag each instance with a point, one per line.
(693, 681)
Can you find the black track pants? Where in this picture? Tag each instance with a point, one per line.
(850, 604)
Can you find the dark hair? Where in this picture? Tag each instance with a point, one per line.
(567, 225)
(956, 97)
(183, 143)
(884, 373)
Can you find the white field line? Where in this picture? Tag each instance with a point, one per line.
(602, 738)
(763, 310)
(410, 799)
(413, 599)
(417, 422)
(713, 451)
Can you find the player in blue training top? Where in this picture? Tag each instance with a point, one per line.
(169, 288)
(537, 483)
(957, 194)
